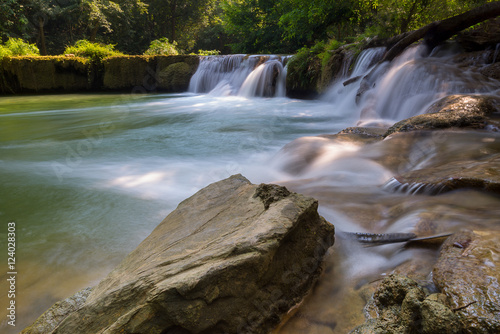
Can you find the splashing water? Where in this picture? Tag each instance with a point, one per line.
(248, 76)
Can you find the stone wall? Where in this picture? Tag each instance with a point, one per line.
(60, 74)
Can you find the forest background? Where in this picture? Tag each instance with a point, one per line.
(228, 26)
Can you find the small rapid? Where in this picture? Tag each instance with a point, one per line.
(241, 75)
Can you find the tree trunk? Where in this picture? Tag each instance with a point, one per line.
(93, 32)
(439, 31)
(41, 32)
(173, 9)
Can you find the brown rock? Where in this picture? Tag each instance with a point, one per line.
(468, 272)
(454, 111)
(233, 258)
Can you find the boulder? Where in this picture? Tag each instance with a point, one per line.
(233, 258)
(454, 111)
(468, 272)
(475, 174)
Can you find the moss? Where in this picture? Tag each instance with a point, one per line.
(175, 77)
(304, 73)
(48, 73)
(124, 72)
(64, 74)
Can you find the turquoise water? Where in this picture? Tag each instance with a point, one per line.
(87, 177)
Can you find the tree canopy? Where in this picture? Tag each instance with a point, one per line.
(238, 26)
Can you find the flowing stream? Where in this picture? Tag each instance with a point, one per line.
(87, 177)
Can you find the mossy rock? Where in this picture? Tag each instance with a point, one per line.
(49, 73)
(176, 77)
(401, 306)
(454, 111)
(130, 72)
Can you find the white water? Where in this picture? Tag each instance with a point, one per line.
(86, 178)
(248, 76)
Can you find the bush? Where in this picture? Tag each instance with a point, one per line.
(162, 47)
(94, 51)
(4, 51)
(208, 52)
(18, 47)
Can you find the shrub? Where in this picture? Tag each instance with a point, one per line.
(4, 51)
(162, 47)
(208, 52)
(18, 47)
(94, 51)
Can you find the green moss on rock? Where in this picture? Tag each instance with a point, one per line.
(124, 72)
(49, 73)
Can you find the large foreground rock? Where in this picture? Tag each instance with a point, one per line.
(233, 258)
(468, 272)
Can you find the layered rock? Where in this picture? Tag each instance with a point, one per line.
(475, 174)
(233, 258)
(454, 111)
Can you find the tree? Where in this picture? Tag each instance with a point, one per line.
(312, 20)
(13, 20)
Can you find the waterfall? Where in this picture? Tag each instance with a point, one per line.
(366, 60)
(338, 92)
(495, 55)
(413, 82)
(255, 75)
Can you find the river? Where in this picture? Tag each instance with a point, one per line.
(86, 177)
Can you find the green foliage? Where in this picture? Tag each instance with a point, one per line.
(242, 26)
(162, 47)
(304, 68)
(93, 51)
(4, 52)
(208, 52)
(18, 47)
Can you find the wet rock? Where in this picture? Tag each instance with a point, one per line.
(299, 154)
(400, 305)
(365, 131)
(477, 174)
(492, 70)
(48, 321)
(454, 111)
(220, 263)
(468, 272)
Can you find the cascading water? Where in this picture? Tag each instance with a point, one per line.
(94, 175)
(413, 82)
(248, 76)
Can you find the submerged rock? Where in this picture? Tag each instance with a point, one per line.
(468, 272)
(454, 111)
(233, 258)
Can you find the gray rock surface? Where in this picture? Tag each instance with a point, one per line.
(233, 258)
